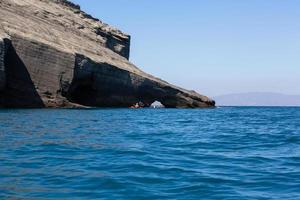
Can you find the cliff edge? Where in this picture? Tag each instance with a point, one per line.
(52, 54)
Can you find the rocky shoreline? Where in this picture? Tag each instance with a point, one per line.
(52, 54)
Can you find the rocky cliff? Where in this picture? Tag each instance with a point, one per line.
(52, 54)
(2, 56)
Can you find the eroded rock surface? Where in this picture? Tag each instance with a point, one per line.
(2, 57)
(52, 54)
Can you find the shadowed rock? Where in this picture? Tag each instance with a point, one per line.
(2, 72)
(19, 90)
(52, 54)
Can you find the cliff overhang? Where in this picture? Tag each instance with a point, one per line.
(52, 54)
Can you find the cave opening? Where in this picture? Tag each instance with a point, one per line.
(83, 94)
(157, 104)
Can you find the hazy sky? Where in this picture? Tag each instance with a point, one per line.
(212, 46)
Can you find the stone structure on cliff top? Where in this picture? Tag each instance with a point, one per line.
(52, 54)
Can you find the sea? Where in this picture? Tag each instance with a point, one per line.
(226, 153)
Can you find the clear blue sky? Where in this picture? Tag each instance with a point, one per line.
(214, 46)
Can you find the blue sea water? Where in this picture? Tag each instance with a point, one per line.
(224, 153)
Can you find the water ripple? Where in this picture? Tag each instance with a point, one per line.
(226, 153)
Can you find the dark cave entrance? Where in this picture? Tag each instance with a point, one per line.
(83, 94)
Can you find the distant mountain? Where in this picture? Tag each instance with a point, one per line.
(258, 99)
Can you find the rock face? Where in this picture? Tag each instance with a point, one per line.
(52, 54)
(2, 68)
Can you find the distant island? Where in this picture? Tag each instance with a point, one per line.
(258, 99)
(52, 54)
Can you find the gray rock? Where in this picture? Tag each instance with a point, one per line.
(2, 69)
(49, 62)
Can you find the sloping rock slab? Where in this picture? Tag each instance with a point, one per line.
(52, 54)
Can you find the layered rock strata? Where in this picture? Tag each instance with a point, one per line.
(52, 54)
